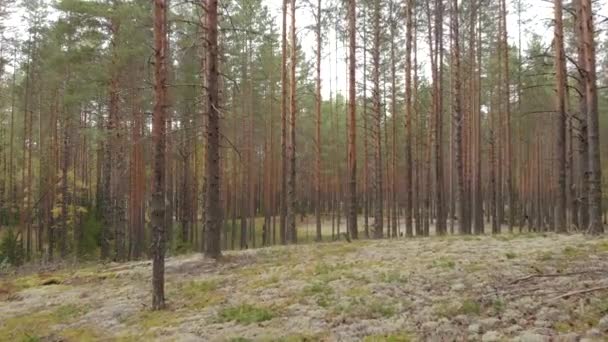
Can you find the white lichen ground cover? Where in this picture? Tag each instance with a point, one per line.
(489, 288)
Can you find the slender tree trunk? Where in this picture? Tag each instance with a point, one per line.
(213, 211)
(582, 121)
(560, 71)
(438, 141)
(365, 132)
(408, 117)
(352, 135)
(595, 167)
(393, 167)
(458, 118)
(291, 232)
(377, 126)
(318, 100)
(507, 99)
(283, 196)
(158, 136)
(478, 159)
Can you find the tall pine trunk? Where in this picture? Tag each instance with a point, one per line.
(595, 167)
(560, 72)
(352, 135)
(213, 211)
(159, 169)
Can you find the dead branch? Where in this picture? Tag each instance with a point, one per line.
(577, 292)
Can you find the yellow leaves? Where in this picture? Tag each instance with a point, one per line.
(72, 211)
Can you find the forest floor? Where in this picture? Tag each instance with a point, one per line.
(528, 287)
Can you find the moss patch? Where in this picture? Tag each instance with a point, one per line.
(395, 337)
(198, 294)
(366, 308)
(245, 314)
(444, 262)
(468, 307)
(38, 324)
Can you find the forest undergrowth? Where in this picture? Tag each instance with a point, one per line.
(525, 287)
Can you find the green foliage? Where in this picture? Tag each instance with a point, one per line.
(470, 307)
(451, 309)
(366, 307)
(444, 262)
(89, 242)
(30, 338)
(498, 306)
(199, 294)
(545, 256)
(574, 252)
(394, 277)
(321, 292)
(34, 326)
(11, 249)
(393, 337)
(245, 314)
(318, 288)
(510, 255)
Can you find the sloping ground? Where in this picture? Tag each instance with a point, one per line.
(490, 288)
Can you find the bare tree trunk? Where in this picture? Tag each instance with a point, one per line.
(582, 121)
(377, 126)
(507, 99)
(439, 188)
(408, 117)
(213, 210)
(159, 136)
(291, 233)
(457, 119)
(477, 187)
(352, 134)
(318, 100)
(365, 133)
(393, 167)
(65, 159)
(595, 167)
(560, 71)
(283, 196)
(137, 179)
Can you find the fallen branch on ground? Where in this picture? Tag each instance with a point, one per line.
(573, 293)
(541, 275)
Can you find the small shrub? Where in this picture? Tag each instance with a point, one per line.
(452, 309)
(545, 256)
(470, 307)
(245, 314)
(318, 288)
(444, 262)
(200, 294)
(398, 337)
(30, 338)
(573, 252)
(359, 307)
(11, 249)
(510, 255)
(394, 277)
(91, 235)
(498, 306)
(381, 309)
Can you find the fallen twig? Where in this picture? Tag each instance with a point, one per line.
(573, 293)
(541, 275)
